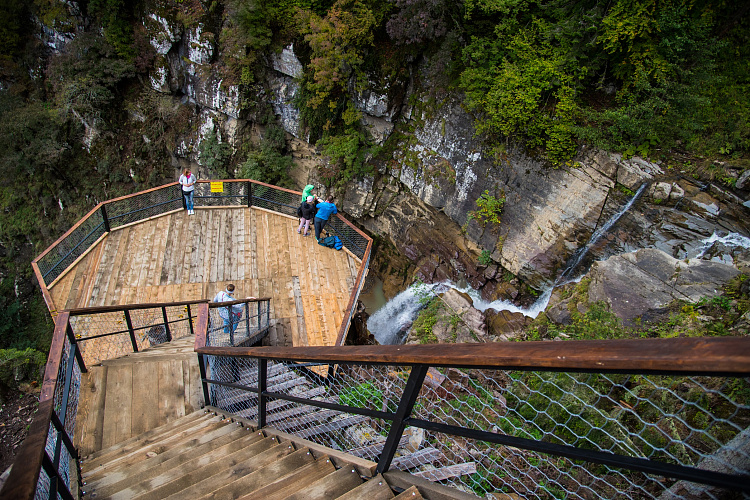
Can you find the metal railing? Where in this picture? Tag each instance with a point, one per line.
(84, 337)
(112, 214)
(649, 418)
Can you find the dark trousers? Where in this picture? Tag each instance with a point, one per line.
(319, 225)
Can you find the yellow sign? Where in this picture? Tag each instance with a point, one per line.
(217, 187)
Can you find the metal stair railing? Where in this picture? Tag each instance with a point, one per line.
(82, 337)
(576, 419)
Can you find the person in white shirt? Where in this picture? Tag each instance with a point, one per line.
(230, 314)
(187, 180)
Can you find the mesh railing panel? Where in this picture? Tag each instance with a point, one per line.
(350, 237)
(679, 420)
(237, 325)
(143, 205)
(276, 200)
(42, 486)
(106, 335)
(688, 421)
(66, 251)
(232, 194)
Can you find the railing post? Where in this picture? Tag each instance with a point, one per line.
(202, 368)
(190, 319)
(262, 380)
(182, 197)
(405, 406)
(130, 329)
(166, 323)
(73, 342)
(105, 218)
(249, 194)
(247, 319)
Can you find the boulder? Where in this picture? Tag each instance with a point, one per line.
(506, 324)
(637, 283)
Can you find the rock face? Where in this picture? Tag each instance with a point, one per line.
(636, 283)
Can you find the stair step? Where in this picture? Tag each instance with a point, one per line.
(252, 412)
(375, 488)
(416, 459)
(330, 486)
(296, 412)
(166, 447)
(153, 434)
(180, 460)
(311, 418)
(215, 465)
(411, 493)
(331, 426)
(287, 485)
(251, 480)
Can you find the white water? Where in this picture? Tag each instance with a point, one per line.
(581, 253)
(390, 323)
(730, 240)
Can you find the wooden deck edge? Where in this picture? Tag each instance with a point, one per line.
(364, 467)
(75, 262)
(428, 489)
(148, 219)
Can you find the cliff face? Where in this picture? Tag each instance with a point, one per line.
(422, 196)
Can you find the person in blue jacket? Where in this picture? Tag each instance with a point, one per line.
(325, 210)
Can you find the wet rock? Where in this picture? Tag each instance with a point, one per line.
(636, 283)
(506, 324)
(742, 181)
(287, 63)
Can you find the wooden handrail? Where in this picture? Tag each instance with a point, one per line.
(22, 480)
(131, 307)
(703, 355)
(238, 301)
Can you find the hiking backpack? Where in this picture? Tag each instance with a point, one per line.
(331, 242)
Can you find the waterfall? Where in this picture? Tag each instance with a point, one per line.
(391, 323)
(581, 252)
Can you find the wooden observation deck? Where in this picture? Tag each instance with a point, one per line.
(173, 256)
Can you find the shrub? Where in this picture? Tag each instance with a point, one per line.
(489, 208)
(215, 155)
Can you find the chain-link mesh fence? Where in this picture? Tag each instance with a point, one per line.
(223, 194)
(239, 323)
(65, 407)
(276, 199)
(111, 334)
(144, 205)
(73, 245)
(697, 421)
(352, 239)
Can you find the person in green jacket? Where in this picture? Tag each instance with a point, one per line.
(307, 192)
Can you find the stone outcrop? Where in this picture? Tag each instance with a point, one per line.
(637, 283)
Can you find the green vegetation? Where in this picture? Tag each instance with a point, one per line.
(489, 209)
(428, 317)
(269, 163)
(485, 258)
(215, 155)
(364, 395)
(18, 366)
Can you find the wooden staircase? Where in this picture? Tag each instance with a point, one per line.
(208, 455)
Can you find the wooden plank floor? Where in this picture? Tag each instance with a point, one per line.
(179, 257)
(128, 396)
